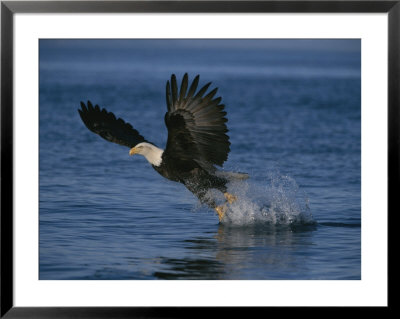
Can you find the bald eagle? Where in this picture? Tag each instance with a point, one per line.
(197, 140)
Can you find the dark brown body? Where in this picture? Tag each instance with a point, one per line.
(193, 176)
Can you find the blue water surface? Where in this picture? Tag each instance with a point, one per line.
(294, 111)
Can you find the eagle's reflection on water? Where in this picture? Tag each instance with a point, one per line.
(242, 253)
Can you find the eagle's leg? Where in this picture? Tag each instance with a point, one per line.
(230, 197)
(221, 210)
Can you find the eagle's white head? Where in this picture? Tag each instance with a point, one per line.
(151, 152)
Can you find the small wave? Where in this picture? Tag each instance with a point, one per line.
(275, 201)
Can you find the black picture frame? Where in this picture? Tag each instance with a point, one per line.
(9, 8)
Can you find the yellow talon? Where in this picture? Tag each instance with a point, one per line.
(230, 197)
(221, 210)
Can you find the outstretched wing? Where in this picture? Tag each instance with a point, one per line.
(110, 128)
(196, 124)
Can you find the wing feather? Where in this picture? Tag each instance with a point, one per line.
(174, 90)
(193, 87)
(110, 128)
(184, 86)
(196, 123)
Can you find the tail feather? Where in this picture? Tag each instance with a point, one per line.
(232, 175)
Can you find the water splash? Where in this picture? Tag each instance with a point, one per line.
(276, 200)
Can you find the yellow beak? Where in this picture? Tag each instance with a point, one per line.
(133, 151)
